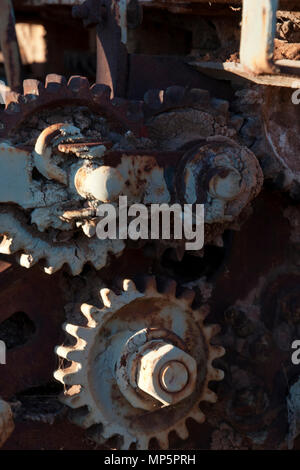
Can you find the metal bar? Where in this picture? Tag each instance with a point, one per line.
(289, 76)
(112, 57)
(9, 45)
(258, 32)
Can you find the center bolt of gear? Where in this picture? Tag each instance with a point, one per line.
(163, 371)
(173, 376)
(166, 372)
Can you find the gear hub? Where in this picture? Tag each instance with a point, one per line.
(141, 366)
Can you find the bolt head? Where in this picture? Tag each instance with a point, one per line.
(226, 184)
(174, 376)
(166, 372)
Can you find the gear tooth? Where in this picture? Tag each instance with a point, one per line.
(89, 311)
(170, 288)
(32, 87)
(63, 351)
(76, 266)
(199, 315)
(109, 430)
(61, 376)
(78, 84)
(12, 97)
(188, 296)
(73, 401)
(50, 269)
(101, 92)
(154, 98)
(107, 296)
(129, 286)
(163, 440)
(53, 264)
(221, 106)
(220, 374)
(5, 245)
(197, 96)
(216, 352)
(174, 95)
(27, 261)
(211, 330)
(71, 329)
(85, 421)
(12, 101)
(214, 374)
(197, 415)
(209, 396)
(85, 334)
(150, 284)
(142, 443)
(54, 82)
(79, 332)
(127, 441)
(9, 245)
(182, 431)
(71, 375)
(71, 354)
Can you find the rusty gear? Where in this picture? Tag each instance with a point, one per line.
(99, 390)
(56, 92)
(64, 213)
(57, 247)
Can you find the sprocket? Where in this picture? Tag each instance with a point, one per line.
(67, 148)
(141, 365)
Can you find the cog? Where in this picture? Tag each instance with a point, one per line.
(69, 148)
(55, 92)
(43, 234)
(112, 385)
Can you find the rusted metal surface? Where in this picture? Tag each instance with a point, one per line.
(258, 325)
(153, 348)
(9, 45)
(257, 37)
(110, 17)
(134, 164)
(42, 301)
(56, 91)
(128, 329)
(166, 373)
(286, 75)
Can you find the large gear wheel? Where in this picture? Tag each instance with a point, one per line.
(32, 227)
(141, 365)
(67, 147)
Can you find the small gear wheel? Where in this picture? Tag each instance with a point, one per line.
(141, 365)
